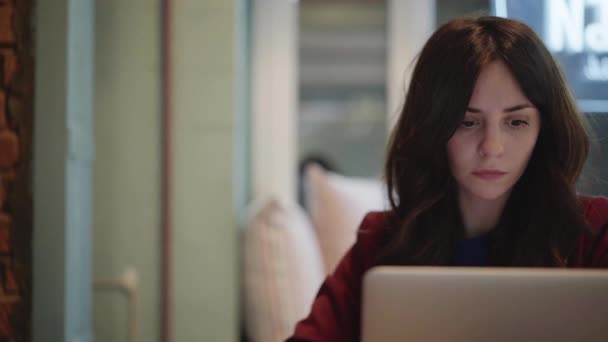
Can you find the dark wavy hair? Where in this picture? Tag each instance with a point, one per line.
(543, 218)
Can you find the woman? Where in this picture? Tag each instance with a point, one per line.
(480, 170)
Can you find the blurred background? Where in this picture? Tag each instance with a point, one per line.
(139, 140)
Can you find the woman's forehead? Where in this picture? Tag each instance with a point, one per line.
(496, 89)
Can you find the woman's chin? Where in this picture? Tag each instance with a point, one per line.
(488, 194)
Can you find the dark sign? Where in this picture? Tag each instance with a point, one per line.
(576, 32)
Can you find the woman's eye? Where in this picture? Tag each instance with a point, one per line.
(519, 123)
(468, 123)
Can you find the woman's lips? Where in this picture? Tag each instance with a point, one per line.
(489, 174)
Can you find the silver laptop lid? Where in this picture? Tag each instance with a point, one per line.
(484, 304)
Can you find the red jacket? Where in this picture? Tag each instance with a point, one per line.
(336, 311)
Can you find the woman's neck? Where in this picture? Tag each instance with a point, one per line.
(480, 216)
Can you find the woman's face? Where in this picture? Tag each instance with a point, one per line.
(490, 150)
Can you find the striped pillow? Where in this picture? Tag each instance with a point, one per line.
(282, 270)
(337, 205)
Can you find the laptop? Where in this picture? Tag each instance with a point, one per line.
(484, 304)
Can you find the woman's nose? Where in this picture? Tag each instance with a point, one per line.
(492, 143)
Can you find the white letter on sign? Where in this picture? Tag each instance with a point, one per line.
(565, 25)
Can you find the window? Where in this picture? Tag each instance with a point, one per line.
(342, 114)
(576, 34)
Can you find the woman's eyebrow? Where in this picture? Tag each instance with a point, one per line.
(518, 107)
(508, 109)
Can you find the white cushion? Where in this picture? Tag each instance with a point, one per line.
(337, 205)
(282, 270)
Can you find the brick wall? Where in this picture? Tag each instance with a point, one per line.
(16, 114)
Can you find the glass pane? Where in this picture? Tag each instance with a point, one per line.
(450, 9)
(575, 32)
(594, 180)
(342, 108)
